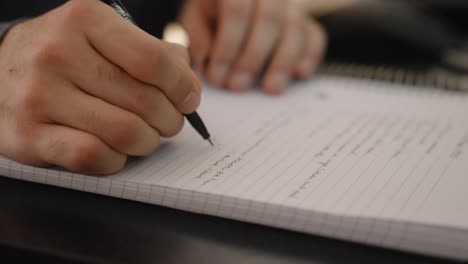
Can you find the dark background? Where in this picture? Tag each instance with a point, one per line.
(39, 222)
(151, 15)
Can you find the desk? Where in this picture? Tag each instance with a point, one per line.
(81, 226)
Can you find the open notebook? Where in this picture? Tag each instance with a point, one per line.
(365, 161)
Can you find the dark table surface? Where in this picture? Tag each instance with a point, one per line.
(53, 224)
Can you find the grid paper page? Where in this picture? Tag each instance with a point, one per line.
(364, 161)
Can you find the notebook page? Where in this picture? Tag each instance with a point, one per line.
(373, 152)
(367, 160)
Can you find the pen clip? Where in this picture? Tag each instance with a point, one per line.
(120, 8)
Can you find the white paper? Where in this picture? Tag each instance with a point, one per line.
(365, 161)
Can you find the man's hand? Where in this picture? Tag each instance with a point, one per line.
(82, 88)
(234, 42)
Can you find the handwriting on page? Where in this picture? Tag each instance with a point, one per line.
(326, 162)
(232, 159)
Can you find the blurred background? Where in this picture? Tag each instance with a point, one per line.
(422, 42)
(413, 41)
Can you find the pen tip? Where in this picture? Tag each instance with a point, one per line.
(211, 142)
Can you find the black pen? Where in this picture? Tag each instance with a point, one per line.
(193, 118)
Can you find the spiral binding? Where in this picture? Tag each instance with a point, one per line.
(434, 78)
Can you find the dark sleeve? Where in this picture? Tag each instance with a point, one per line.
(151, 15)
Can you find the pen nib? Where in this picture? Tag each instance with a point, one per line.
(211, 142)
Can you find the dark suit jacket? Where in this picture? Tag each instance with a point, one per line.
(151, 15)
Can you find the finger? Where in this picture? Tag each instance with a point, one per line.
(234, 18)
(286, 55)
(260, 43)
(141, 55)
(183, 60)
(198, 30)
(123, 131)
(100, 78)
(313, 52)
(75, 150)
(179, 52)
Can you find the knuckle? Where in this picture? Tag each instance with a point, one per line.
(146, 61)
(172, 78)
(144, 103)
(175, 127)
(48, 53)
(29, 99)
(85, 154)
(138, 69)
(123, 132)
(76, 12)
(56, 148)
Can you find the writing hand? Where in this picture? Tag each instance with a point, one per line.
(83, 89)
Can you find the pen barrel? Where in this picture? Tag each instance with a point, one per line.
(197, 123)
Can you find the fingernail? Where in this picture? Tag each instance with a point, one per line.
(190, 102)
(242, 81)
(278, 82)
(218, 73)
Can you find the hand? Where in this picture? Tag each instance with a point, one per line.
(82, 88)
(233, 41)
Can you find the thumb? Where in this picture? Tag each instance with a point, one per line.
(178, 51)
(182, 58)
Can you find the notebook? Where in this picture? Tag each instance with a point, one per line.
(434, 77)
(357, 160)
